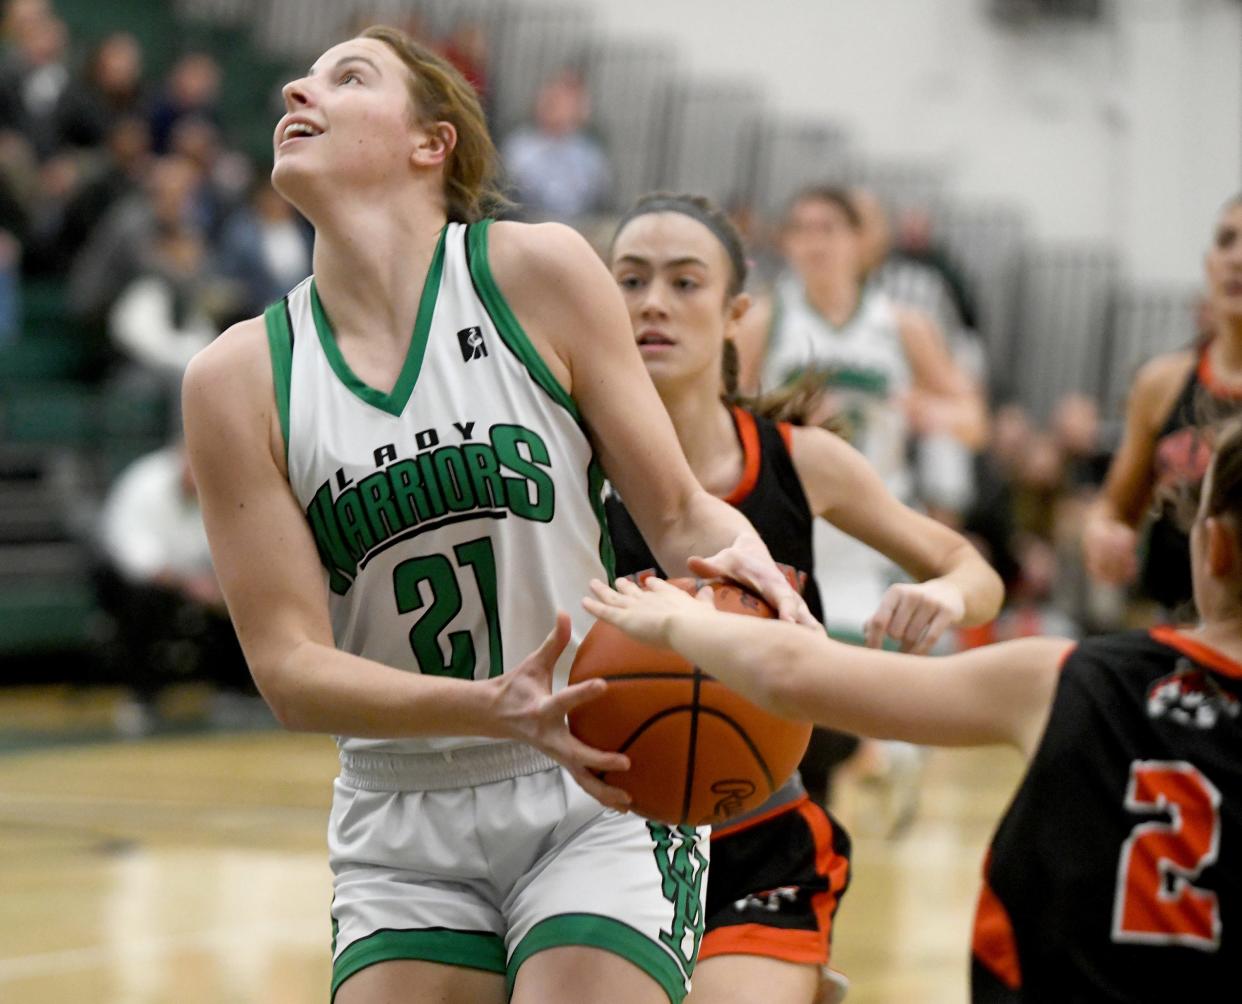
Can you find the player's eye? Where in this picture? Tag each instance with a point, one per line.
(349, 76)
(685, 283)
(629, 282)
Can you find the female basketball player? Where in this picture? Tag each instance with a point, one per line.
(883, 368)
(1171, 397)
(1115, 873)
(397, 477)
(777, 874)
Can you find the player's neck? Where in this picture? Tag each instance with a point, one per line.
(1223, 632)
(369, 261)
(835, 302)
(1227, 349)
(707, 435)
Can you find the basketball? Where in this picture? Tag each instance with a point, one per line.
(699, 752)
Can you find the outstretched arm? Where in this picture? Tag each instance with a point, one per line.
(996, 694)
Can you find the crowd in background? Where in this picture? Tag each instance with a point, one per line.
(127, 188)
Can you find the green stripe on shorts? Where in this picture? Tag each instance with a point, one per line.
(592, 930)
(472, 949)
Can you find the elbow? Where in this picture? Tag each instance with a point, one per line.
(273, 678)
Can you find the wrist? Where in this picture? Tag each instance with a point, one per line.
(489, 709)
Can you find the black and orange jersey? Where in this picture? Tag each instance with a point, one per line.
(769, 494)
(1116, 874)
(1180, 458)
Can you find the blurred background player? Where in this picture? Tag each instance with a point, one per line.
(778, 873)
(155, 578)
(1174, 396)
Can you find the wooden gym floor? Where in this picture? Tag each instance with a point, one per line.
(190, 868)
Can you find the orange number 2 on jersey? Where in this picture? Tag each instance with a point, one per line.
(1156, 902)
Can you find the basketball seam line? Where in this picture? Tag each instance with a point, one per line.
(688, 791)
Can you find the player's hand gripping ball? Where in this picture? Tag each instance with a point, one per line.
(699, 752)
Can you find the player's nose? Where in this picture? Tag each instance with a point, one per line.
(297, 94)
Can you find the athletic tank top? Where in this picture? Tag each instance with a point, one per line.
(1180, 460)
(770, 495)
(455, 514)
(1115, 874)
(864, 368)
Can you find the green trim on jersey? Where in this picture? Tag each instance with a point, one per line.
(280, 344)
(596, 931)
(472, 949)
(595, 491)
(394, 401)
(516, 339)
(507, 324)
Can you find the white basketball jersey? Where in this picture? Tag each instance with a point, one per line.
(866, 372)
(864, 367)
(457, 513)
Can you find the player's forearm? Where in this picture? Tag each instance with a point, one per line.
(749, 655)
(317, 688)
(800, 674)
(980, 587)
(703, 526)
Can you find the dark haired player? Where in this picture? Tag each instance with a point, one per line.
(777, 874)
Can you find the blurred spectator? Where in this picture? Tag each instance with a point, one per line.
(193, 88)
(265, 248)
(57, 179)
(33, 77)
(1076, 429)
(1040, 478)
(559, 170)
(114, 253)
(224, 175)
(916, 244)
(157, 583)
(162, 317)
(110, 89)
(763, 257)
(119, 174)
(990, 520)
(10, 287)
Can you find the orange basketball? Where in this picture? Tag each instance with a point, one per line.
(699, 752)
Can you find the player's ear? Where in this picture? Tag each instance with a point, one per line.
(433, 144)
(738, 305)
(1222, 547)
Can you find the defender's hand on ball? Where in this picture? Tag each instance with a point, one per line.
(916, 615)
(747, 561)
(646, 614)
(529, 712)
